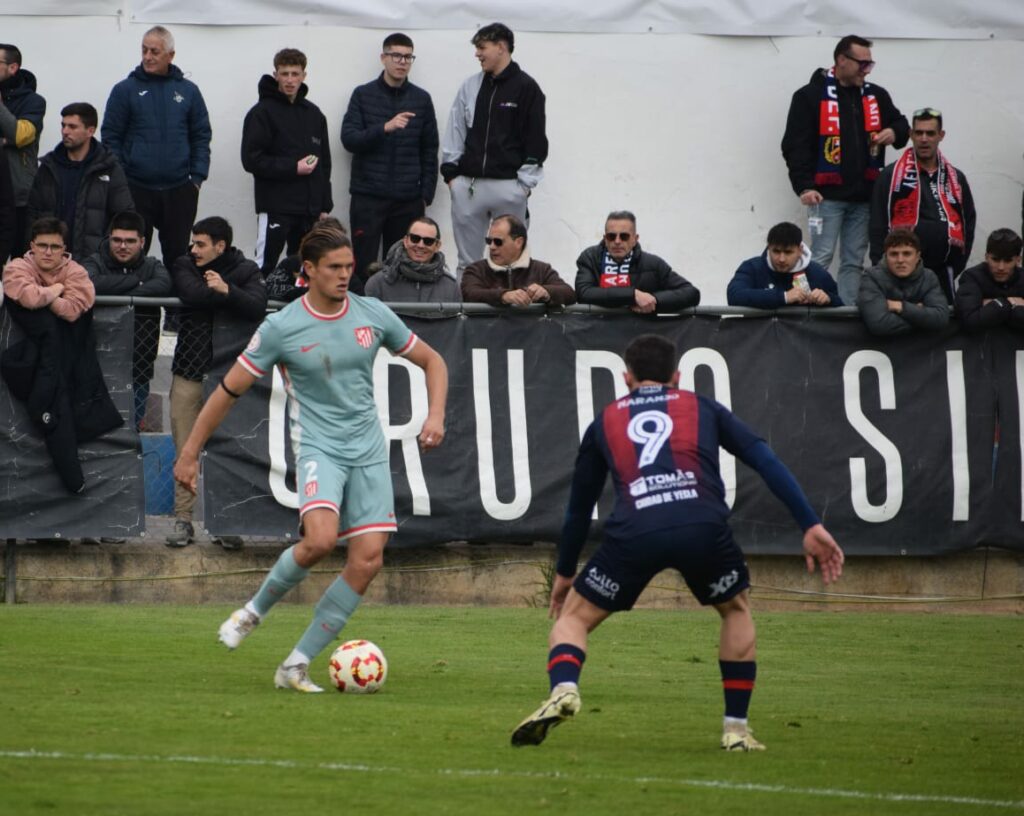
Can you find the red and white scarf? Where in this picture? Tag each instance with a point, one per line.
(830, 156)
(905, 196)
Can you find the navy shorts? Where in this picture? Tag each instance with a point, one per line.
(709, 560)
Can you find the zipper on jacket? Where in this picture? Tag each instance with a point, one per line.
(487, 130)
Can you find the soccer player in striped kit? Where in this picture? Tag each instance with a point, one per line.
(661, 446)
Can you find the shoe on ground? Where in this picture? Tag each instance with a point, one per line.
(182, 535)
(237, 627)
(561, 705)
(229, 542)
(740, 738)
(295, 677)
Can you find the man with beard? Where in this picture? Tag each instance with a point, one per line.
(80, 182)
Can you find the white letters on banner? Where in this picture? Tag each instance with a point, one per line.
(275, 441)
(516, 390)
(1020, 423)
(958, 421)
(862, 506)
(408, 432)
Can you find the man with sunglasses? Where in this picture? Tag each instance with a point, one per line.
(617, 272)
(391, 130)
(121, 267)
(414, 270)
(922, 191)
(834, 146)
(508, 276)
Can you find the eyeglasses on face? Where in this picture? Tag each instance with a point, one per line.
(124, 241)
(610, 237)
(864, 65)
(399, 57)
(426, 240)
(46, 249)
(494, 241)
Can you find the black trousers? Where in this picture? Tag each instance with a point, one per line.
(171, 213)
(276, 232)
(372, 220)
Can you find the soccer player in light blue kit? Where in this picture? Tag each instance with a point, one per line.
(661, 446)
(325, 344)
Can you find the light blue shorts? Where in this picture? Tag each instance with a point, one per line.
(362, 496)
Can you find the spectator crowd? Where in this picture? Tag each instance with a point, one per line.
(79, 220)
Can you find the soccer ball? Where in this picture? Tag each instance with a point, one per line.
(358, 667)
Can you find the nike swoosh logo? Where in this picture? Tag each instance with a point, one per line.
(274, 226)
(308, 348)
(143, 93)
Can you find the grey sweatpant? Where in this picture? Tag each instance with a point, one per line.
(474, 203)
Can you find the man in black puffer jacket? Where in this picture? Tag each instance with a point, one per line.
(391, 130)
(215, 277)
(285, 147)
(80, 182)
(617, 272)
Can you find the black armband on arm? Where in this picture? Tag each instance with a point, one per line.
(231, 393)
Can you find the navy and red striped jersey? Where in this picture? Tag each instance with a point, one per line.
(661, 445)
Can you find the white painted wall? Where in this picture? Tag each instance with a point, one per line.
(682, 129)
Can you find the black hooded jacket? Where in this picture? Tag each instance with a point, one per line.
(275, 135)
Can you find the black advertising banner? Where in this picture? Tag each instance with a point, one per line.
(892, 439)
(33, 501)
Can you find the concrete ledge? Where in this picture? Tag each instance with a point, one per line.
(987, 580)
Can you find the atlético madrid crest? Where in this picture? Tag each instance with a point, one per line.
(364, 336)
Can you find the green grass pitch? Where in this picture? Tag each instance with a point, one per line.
(138, 710)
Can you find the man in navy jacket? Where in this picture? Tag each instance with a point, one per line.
(783, 274)
(391, 130)
(157, 125)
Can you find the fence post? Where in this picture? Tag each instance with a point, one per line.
(10, 571)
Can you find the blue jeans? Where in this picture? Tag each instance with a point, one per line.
(845, 223)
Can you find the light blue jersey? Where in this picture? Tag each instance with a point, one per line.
(326, 362)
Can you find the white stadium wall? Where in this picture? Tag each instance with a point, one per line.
(683, 129)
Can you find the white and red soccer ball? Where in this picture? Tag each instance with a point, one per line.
(358, 667)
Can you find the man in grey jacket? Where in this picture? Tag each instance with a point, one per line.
(414, 270)
(899, 295)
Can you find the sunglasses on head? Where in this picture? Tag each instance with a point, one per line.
(927, 113)
(621, 236)
(494, 241)
(424, 239)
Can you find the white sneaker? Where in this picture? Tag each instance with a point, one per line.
(740, 738)
(295, 677)
(561, 705)
(235, 629)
